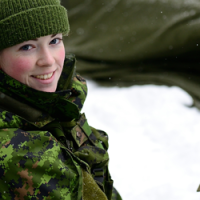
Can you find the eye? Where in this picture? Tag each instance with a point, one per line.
(55, 41)
(26, 47)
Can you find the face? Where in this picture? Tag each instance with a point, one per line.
(36, 63)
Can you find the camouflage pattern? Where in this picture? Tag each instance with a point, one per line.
(53, 153)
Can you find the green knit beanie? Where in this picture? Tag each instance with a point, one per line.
(23, 20)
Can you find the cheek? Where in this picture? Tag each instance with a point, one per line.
(18, 68)
(61, 56)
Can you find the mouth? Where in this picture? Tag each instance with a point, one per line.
(43, 76)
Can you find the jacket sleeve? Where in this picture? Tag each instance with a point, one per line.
(34, 165)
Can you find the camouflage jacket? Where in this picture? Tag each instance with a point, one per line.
(47, 148)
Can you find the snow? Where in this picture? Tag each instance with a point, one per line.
(154, 140)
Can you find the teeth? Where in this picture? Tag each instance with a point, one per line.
(44, 77)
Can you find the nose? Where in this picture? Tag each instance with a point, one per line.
(45, 58)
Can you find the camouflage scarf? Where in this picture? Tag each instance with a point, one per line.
(64, 104)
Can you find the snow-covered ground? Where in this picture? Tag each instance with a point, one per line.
(154, 140)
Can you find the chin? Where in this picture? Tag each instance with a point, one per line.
(50, 89)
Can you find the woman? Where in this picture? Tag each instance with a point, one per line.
(47, 148)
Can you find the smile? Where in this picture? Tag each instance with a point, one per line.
(44, 77)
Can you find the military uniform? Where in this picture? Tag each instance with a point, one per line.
(47, 148)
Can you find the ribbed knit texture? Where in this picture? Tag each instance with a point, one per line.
(22, 20)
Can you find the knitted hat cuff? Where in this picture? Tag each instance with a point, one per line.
(32, 24)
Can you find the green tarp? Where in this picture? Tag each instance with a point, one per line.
(129, 42)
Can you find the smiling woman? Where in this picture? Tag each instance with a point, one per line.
(36, 63)
(47, 148)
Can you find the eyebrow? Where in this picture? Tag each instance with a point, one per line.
(51, 37)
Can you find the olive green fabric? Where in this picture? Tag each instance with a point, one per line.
(23, 20)
(131, 30)
(89, 193)
(116, 195)
(129, 42)
(43, 157)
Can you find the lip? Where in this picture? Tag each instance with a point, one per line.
(45, 81)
